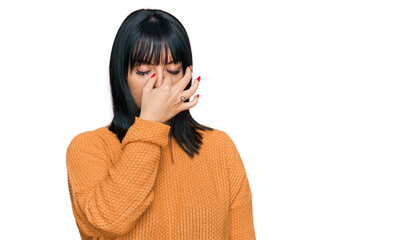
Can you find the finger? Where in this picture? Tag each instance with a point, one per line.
(189, 92)
(150, 82)
(182, 83)
(190, 104)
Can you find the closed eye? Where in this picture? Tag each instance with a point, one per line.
(174, 72)
(142, 73)
(147, 72)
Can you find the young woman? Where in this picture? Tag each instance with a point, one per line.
(154, 172)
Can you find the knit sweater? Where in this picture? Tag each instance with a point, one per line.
(135, 190)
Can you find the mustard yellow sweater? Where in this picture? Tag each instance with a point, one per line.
(134, 189)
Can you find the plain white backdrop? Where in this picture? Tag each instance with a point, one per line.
(318, 97)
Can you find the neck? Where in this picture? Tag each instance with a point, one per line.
(168, 123)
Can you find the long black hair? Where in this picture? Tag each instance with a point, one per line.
(144, 31)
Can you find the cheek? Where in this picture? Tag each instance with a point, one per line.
(177, 78)
(136, 85)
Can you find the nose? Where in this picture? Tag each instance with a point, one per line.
(159, 76)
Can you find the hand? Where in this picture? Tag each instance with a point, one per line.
(162, 103)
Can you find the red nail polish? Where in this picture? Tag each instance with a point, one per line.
(198, 79)
(190, 68)
(197, 95)
(154, 74)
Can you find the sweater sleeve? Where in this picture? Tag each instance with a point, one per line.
(240, 210)
(108, 200)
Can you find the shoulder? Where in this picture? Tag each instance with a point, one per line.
(216, 137)
(86, 136)
(91, 139)
(88, 146)
(219, 142)
(80, 139)
(224, 143)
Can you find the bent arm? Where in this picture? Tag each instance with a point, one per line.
(108, 200)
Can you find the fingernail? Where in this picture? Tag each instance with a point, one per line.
(190, 68)
(198, 79)
(154, 74)
(197, 95)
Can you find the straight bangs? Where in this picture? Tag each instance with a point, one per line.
(156, 44)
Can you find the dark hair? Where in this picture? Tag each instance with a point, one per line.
(140, 30)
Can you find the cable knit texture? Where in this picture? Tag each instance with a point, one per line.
(134, 189)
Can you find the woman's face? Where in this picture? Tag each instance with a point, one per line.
(137, 77)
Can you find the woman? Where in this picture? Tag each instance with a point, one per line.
(154, 172)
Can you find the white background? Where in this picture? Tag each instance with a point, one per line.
(318, 97)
